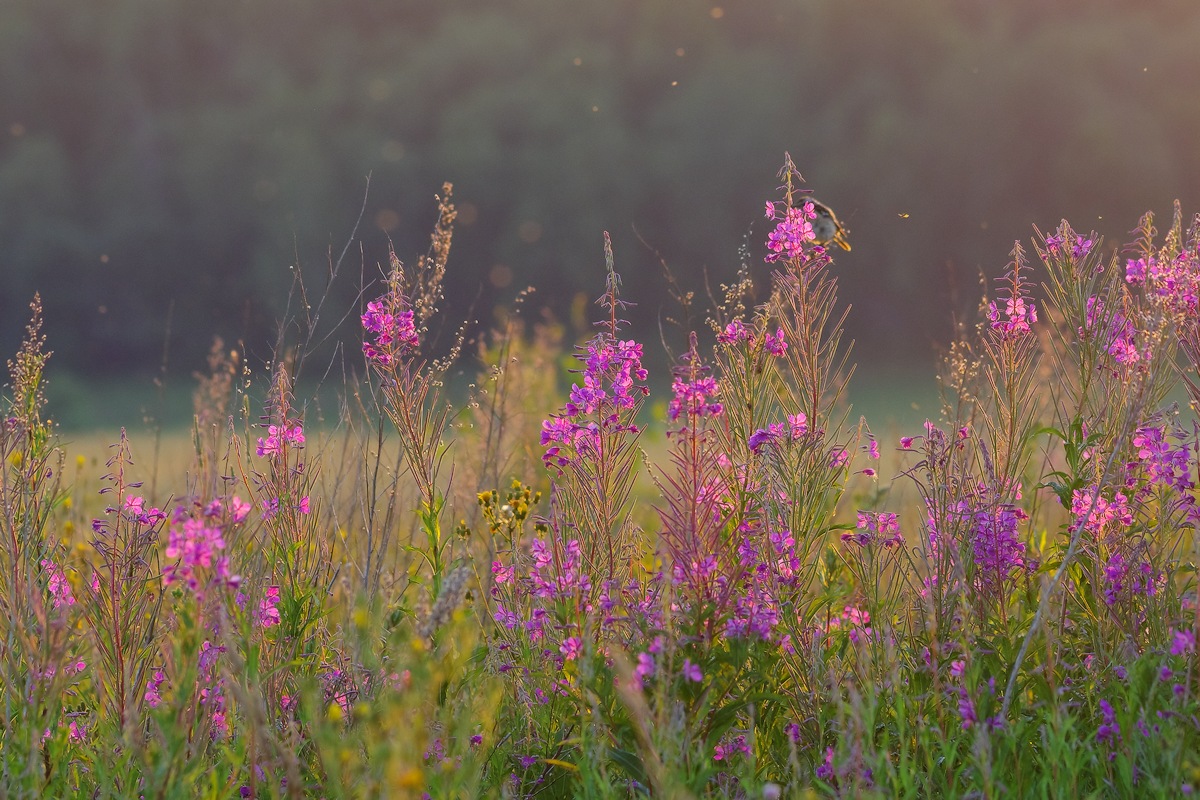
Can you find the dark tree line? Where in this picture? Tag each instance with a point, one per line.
(166, 154)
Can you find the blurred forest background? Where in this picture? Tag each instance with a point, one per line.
(173, 157)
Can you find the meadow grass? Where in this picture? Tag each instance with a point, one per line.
(745, 592)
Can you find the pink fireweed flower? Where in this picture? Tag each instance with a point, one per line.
(692, 671)
(602, 404)
(995, 541)
(571, 648)
(1124, 580)
(755, 614)
(694, 398)
(876, 527)
(1182, 643)
(791, 234)
(966, 709)
(1109, 730)
(1015, 314)
(644, 669)
(268, 608)
(239, 509)
(394, 328)
(280, 437)
(906, 442)
(798, 425)
(1160, 462)
(735, 331)
(764, 436)
(1015, 318)
(825, 770)
(503, 574)
(853, 620)
(838, 457)
(730, 748)
(152, 696)
(776, 344)
(193, 546)
(304, 507)
(58, 585)
(510, 620)
(1117, 333)
(135, 510)
(770, 210)
(1096, 514)
(1136, 268)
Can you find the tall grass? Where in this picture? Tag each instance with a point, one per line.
(423, 597)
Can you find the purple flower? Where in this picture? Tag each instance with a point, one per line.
(268, 608)
(765, 436)
(793, 231)
(876, 527)
(735, 331)
(645, 667)
(1109, 731)
(1182, 642)
(393, 326)
(966, 709)
(776, 344)
(726, 750)
(825, 771)
(1135, 270)
(58, 585)
(692, 671)
(571, 648)
(152, 696)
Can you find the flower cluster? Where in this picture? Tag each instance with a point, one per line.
(1176, 281)
(268, 608)
(1015, 315)
(1109, 731)
(876, 528)
(792, 232)
(1162, 463)
(194, 546)
(134, 509)
(731, 747)
(995, 540)
(152, 696)
(279, 438)
(854, 621)
(1124, 580)
(394, 329)
(1116, 331)
(604, 404)
(1058, 243)
(58, 585)
(1015, 318)
(796, 428)
(693, 389)
(1096, 514)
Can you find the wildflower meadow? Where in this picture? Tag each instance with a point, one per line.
(534, 586)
